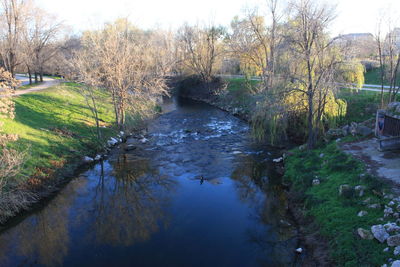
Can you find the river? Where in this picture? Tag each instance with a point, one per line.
(200, 192)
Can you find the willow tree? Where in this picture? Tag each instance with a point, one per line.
(126, 62)
(304, 98)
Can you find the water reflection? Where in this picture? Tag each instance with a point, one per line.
(196, 194)
(128, 207)
(44, 234)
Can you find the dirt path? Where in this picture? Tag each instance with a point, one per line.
(385, 164)
(48, 82)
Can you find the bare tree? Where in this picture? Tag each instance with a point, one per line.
(13, 15)
(124, 61)
(201, 49)
(255, 42)
(40, 40)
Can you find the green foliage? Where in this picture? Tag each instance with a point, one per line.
(337, 216)
(55, 125)
(352, 73)
(361, 105)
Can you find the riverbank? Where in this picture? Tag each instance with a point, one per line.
(329, 222)
(55, 132)
(333, 191)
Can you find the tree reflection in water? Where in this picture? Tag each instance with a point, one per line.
(44, 238)
(130, 206)
(259, 186)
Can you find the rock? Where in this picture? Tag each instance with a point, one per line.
(367, 201)
(387, 212)
(277, 160)
(299, 250)
(384, 265)
(395, 264)
(379, 232)
(316, 182)
(284, 223)
(302, 147)
(374, 206)
(321, 155)
(87, 159)
(345, 130)
(363, 130)
(362, 213)
(144, 140)
(353, 128)
(359, 189)
(112, 141)
(393, 241)
(396, 250)
(346, 190)
(386, 249)
(391, 203)
(130, 147)
(391, 227)
(121, 133)
(97, 158)
(365, 234)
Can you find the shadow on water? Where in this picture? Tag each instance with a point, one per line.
(199, 193)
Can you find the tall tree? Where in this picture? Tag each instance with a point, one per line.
(313, 60)
(201, 49)
(13, 15)
(123, 60)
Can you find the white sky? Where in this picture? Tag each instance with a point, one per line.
(353, 15)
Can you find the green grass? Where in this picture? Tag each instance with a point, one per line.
(361, 105)
(240, 85)
(55, 126)
(336, 216)
(374, 77)
(28, 86)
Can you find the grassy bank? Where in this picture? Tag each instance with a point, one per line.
(373, 76)
(334, 215)
(55, 129)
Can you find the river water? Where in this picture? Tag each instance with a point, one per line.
(200, 192)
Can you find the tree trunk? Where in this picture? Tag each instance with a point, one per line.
(30, 75)
(36, 77)
(311, 135)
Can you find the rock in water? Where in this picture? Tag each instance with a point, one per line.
(130, 147)
(364, 234)
(379, 232)
(87, 159)
(393, 241)
(396, 264)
